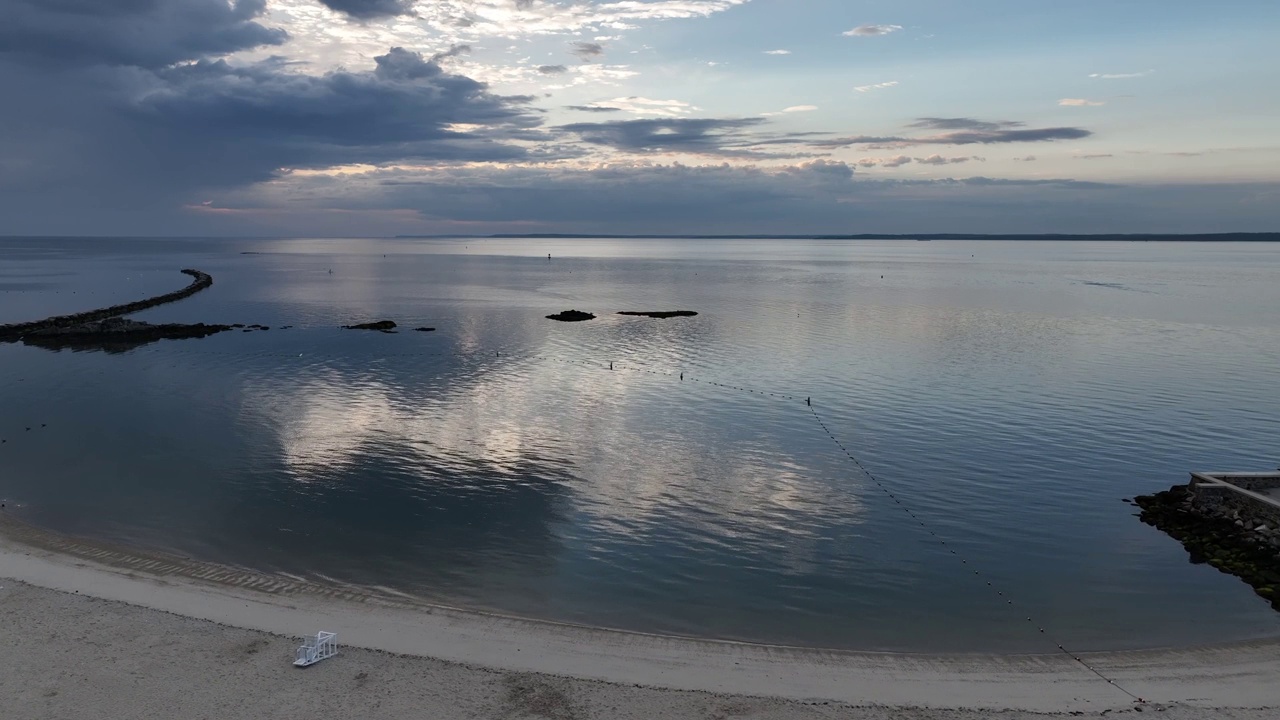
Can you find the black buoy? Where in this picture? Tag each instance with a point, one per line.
(808, 401)
(610, 366)
(682, 376)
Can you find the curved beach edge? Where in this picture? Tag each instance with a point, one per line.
(1239, 675)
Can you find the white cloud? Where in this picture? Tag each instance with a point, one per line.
(871, 30)
(647, 106)
(940, 160)
(792, 109)
(1080, 102)
(889, 162)
(326, 39)
(504, 18)
(876, 86)
(777, 52)
(1121, 76)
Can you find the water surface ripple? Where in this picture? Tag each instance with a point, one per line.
(1010, 393)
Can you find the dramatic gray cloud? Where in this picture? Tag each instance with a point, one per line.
(587, 50)
(593, 108)
(370, 9)
(401, 110)
(710, 136)
(961, 131)
(141, 33)
(123, 132)
(552, 69)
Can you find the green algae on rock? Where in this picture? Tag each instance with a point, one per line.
(1226, 543)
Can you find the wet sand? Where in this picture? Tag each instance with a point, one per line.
(133, 634)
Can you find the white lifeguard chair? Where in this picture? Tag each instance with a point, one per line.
(316, 648)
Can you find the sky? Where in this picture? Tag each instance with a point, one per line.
(384, 117)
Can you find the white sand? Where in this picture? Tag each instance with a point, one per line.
(82, 630)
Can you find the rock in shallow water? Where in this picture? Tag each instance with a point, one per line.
(572, 316)
(659, 313)
(379, 325)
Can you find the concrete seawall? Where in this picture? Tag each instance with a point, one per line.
(17, 330)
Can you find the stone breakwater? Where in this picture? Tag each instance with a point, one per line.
(1219, 535)
(17, 331)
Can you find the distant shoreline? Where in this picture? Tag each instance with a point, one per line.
(1125, 237)
(1011, 237)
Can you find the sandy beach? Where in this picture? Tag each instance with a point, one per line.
(134, 634)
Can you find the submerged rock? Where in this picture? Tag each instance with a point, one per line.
(379, 325)
(572, 316)
(659, 313)
(424, 329)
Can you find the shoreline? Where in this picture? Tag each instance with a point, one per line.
(1239, 675)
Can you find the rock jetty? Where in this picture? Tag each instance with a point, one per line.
(659, 313)
(17, 331)
(1219, 537)
(572, 316)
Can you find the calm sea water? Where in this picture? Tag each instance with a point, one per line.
(1010, 394)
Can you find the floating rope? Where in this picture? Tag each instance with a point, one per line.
(963, 560)
(683, 376)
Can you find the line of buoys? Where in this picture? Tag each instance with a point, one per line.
(963, 560)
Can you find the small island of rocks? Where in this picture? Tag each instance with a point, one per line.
(115, 334)
(383, 325)
(659, 313)
(572, 316)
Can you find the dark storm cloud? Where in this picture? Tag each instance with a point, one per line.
(401, 110)
(552, 69)
(715, 136)
(142, 33)
(119, 139)
(593, 108)
(369, 9)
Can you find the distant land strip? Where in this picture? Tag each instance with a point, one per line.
(1132, 237)
(17, 330)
